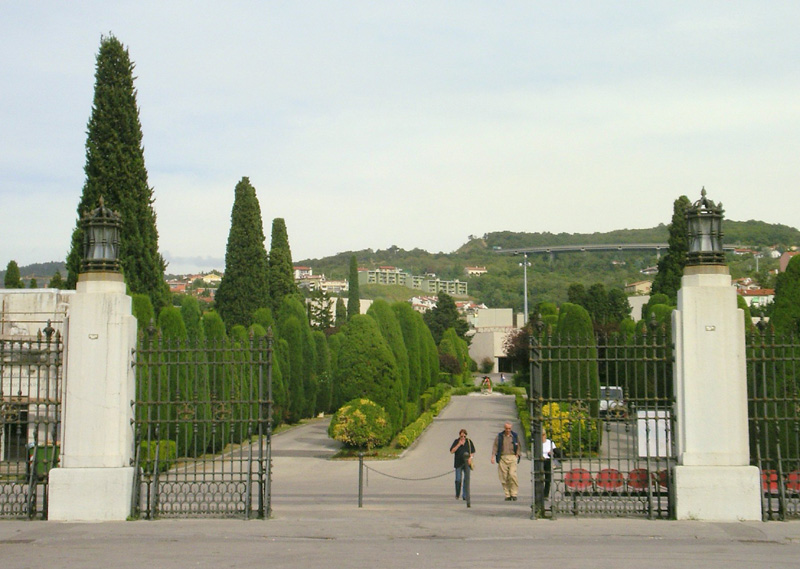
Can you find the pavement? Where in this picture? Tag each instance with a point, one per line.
(409, 518)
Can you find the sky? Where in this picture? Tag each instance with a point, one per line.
(368, 124)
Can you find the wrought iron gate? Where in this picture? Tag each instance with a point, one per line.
(30, 417)
(607, 403)
(203, 428)
(773, 385)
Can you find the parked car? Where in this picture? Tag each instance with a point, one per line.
(612, 402)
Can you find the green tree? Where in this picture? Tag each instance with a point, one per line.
(575, 375)
(142, 310)
(56, 281)
(192, 318)
(244, 287)
(785, 316)
(33, 283)
(366, 368)
(670, 267)
(391, 331)
(13, 278)
(323, 372)
(341, 313)
(443, 316)
(353, 298)
(115, 171)
(406, 317)
(319, 310)
(281, 270)
(302, 384)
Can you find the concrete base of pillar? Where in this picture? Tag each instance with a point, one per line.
(718, 493)
(90, 494)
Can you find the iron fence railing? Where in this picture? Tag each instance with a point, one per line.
(203, 427)
(773, 384)
(606, 402)
(30, 418)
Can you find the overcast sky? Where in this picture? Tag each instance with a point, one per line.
(371, 124)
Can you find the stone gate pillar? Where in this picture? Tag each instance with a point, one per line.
(95, 478)
(713, 479)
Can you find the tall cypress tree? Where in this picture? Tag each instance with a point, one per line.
(13, 278)
(353, 301)
(244, 287)
(281, 270)
(115, 170)
(670, 267)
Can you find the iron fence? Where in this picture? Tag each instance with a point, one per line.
(773, 384)
(30, 417)
(606, 402)
(203, 427)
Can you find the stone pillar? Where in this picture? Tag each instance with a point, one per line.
(713, 479)
(94, 481)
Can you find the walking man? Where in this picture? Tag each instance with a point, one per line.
(506, 453)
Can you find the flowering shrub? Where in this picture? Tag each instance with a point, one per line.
(571, 428)
(360, 423)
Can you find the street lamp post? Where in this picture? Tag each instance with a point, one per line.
(525, 264)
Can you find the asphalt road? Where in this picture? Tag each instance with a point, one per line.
(409, 519)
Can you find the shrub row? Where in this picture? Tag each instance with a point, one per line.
(167, 454)
(415, 429)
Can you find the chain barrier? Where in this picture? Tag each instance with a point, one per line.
(368, 468)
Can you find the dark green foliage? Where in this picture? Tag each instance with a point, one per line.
(461, 352)
(670, 267)
(407, 319)
(319, 310)
(244, 287)
(291, 333)
(294, 328)
(174, 379)
(142, 310)
(366, 368)
(220, 381)
(263, 317)
(33, 284)
(163, 453)
(360, 423)
(785, 314)
(429, 355)
(116, 172)
(333, 351)
(12, 277)
(353, 299)
(443, 316)
(57, 282)
(323, 372)
(654, 299)
(191, 314)
(576, 294)
(341, 312)
(391, 331)
(576, 379)
(281, 271)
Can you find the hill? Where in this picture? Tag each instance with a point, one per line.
(548, 276)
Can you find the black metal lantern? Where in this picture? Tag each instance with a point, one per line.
(101, 229)
(704, 229)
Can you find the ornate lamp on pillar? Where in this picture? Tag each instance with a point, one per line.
(95, 479)
(713, 477)
(704, 229)
(101, 229)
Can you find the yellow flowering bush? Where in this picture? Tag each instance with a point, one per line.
(360, 423)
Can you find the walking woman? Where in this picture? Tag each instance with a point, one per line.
(463, 450)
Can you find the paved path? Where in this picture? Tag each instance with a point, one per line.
(403, 524)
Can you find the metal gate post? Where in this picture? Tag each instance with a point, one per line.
(535, 411)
